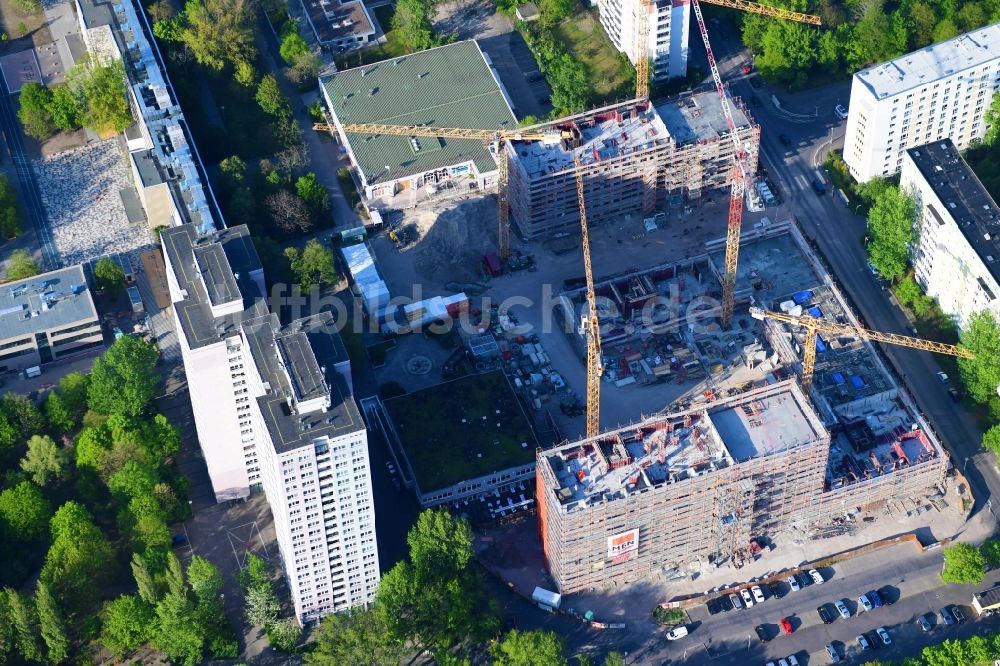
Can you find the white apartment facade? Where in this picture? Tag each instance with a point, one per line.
(313, 449)
(668, 22)
(941, 91)
(956, 255)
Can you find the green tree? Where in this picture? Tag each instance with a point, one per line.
(8, 434)
(270, 98)
(358, 639)
(991, 552)
(24, 512)
(73, 389)
(22, 412)
(110, 276)
(52, 624)
(436, 599)
(981, 375)
(971, 16)
(529, 648)
(131, 481)
(79, 557)
(205, 580)
(284, 634)
(33, 112)
(313, 193)
(233, 173)
(991, 439)
(614, 659)
(174, 575)
(292, 44)
(92, 447)
(128, 623)
(313, 266)
(6, 629)
(305, 69)
(254, 573)
(992, 121)
(922, 22)
(21, 266)
(177, 632)
(945, 30)
(123, 380)
(963, 564)
(262, 606)
(58, 415)
(101, 89)
(45, 460)
(65, 108)
(890, 231)
(413, 25)
(24, 621)
(148, 590)
(219, 32)
(245, 74)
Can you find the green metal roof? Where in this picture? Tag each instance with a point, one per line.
(448, 86)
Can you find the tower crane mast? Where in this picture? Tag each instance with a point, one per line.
(592, 323)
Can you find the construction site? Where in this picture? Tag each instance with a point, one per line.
(636, 159)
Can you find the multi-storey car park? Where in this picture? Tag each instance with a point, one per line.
(940, 92)
(957, 255)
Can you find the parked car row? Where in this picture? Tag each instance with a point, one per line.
(867, 602)
(747, 597)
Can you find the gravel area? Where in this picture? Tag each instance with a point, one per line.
(83, 208)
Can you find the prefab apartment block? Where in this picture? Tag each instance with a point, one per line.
(635, 159)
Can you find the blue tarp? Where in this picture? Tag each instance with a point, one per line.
(838, 378)
(820, 344)
(814, 311)
(801, 297)
(857, 381)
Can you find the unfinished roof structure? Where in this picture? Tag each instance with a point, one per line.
(634, 157)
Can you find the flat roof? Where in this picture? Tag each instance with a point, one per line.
(447, 86)
(699, 117)
(45, 302)
(297, 362)
(333, 20)
(216, 273)
(965, 199)
(764, 427)
(933, 62)
(462, 429)
(200, 327)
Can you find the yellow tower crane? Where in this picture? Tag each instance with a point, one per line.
(494, 138)
(642, 31)
(815, 326)
(593, 326)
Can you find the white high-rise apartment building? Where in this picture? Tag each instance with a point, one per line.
(274, 411)
(939, 92)
(956, 256)
(668, 22)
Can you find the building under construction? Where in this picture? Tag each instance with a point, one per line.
(636, 159)
(709, 484)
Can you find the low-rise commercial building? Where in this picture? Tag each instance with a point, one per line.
(956, 255)
(339, 26)
(47, 318)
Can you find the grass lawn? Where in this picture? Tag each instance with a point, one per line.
(392, 48)
(609, 73)
(442, 449)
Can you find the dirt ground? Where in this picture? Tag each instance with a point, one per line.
(58, 143)
(35, 33)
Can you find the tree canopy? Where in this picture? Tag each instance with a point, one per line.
(992, 121)
(981, 375)
(45, 461)
(10, 214)
(313, 265)
(218, 32)
(79, 557)
(21, 266)
(33, 111)
(358, 639)
(124, 380)
(110, 276)
(24, 512)
(102, 94)
(529, 648)
(890, 231)
(413, 25)
(963, 564)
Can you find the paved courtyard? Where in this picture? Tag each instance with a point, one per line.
(84, 210)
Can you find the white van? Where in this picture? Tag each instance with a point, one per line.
(33, 371)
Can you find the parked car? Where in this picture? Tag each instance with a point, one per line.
(804, 579)
(946, 616)
(958, 614)
(747, 598)
(758, 594)
(824, 615)
(865, 603)
(942, 377)
(734, 599)
(883, 634)
(784, 139)
(887, 593)
(782, 662)
(717, 605)
(955, 395)
(816, 576)
(794, 584)
(786, 625)
(842, 608)
(875, 599)
(832, 651)
(863, 642)
(792, 660)
(761, 633)
(775, 589)
(841, 111)
(925, 623)
(819, 187)
(677, 632)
